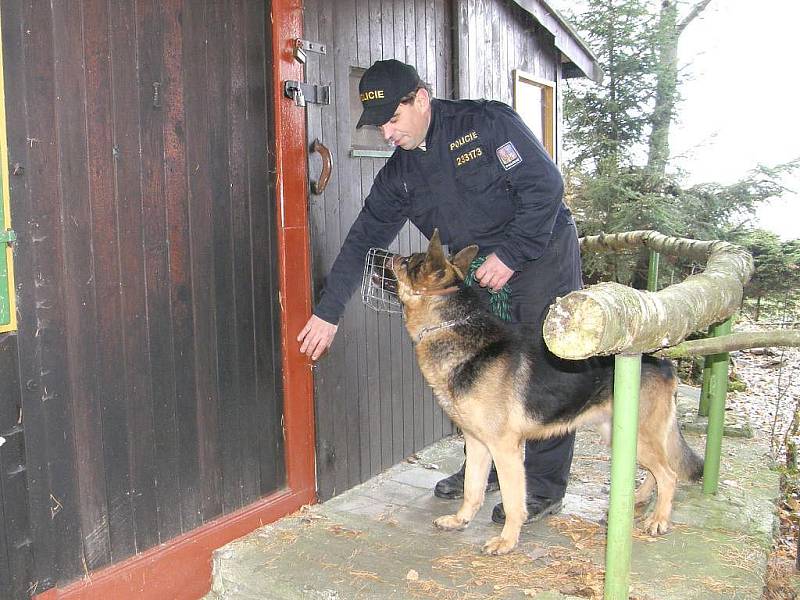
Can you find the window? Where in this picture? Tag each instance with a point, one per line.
(534, 100)
(367, 141)
(8, 309)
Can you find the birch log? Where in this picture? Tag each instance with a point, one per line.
(610, 318)
(734, 341)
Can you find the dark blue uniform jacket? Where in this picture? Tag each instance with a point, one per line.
(484, 179)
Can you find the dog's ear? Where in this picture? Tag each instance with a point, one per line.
(464, 258)
(435, 253)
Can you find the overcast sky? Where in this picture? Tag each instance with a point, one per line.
(741, 103)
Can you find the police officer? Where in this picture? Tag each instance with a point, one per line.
(475, 171)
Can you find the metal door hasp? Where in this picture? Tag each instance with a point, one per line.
(303, 93)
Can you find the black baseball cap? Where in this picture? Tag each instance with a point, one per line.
(382, 87)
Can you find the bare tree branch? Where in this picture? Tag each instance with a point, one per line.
(693, 14)
(734, 341)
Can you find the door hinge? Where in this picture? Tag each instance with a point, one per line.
(301, 47)
(303, 93)
(9, 236)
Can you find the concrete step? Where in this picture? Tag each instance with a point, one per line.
(377, 540)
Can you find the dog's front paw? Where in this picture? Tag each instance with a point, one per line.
(499, 545)
(450, 523)
(656, 527)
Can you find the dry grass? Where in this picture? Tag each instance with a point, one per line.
(582, 533)
(557, 568)
(341, 531)
(430, 588)
(782, 580)
(365, 575)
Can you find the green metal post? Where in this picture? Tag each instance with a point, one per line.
(718, 389)
(652, 271)
(705, 390)
(625, 420)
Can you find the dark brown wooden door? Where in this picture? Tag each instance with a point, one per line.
(148, 347)
(372, 405)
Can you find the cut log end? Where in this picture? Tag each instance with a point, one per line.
(574, 327)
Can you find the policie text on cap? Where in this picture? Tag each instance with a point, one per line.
(382, 87)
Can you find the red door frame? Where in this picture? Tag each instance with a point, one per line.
(181, 568)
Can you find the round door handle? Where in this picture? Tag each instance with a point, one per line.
(317, 187)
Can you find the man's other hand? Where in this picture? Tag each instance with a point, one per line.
(493, 273)
(316, 337)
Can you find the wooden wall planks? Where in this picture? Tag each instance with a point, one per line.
(148, 351)
(494, 37)
(373, 408)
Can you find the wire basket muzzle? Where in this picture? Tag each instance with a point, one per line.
(378, 284)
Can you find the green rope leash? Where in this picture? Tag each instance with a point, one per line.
(500, 300)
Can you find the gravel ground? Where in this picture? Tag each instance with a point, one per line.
(772, 377)
(769, 402)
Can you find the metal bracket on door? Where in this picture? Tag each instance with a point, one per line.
(302, 93)
(9, 236)
(303, 46)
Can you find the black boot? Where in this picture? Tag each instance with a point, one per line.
(538, 508)
(453, 487)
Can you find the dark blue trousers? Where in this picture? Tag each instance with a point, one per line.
(556, 273)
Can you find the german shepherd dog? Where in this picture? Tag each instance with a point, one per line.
(501, 389)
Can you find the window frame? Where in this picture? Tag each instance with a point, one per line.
(548, 88)
(7, 282)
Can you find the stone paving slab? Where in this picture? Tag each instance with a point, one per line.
(377, 540)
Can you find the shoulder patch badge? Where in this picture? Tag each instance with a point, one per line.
(508, 156)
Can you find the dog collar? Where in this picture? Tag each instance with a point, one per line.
(446, 325)
(443, 292)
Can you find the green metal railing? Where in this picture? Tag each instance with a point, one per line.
(627, 379)
(625, 419)
(624, 431)
(702, 409)
(718, 390)
(652, 271)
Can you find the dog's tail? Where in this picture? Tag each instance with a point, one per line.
(682, 458)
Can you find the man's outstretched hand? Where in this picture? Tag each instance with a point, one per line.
(493, 273)
(316, 337)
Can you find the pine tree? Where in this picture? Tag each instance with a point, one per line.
(606, 122)
(617, 138)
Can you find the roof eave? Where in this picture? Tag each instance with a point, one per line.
(580, 60)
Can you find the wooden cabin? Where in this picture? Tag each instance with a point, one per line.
(163, 252)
